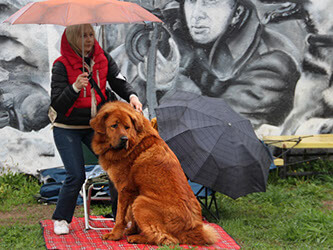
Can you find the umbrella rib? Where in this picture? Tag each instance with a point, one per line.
(239, 130)
(208, 126)
(27, 8)
(213, 148)
(201, 112)
(67, 13)
(127, 16)
(253, 157)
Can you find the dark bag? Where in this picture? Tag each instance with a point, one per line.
(110, 95)
(50, 189)
(49, 194)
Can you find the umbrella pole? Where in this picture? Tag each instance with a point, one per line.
(82, 29)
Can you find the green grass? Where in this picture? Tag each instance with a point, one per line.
(16, 189)
(290, 214)
(294, 213)
(20, 236)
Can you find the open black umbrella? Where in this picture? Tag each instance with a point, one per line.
(215, 145)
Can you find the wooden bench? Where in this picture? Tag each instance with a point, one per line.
(279, 162)
(294, 142)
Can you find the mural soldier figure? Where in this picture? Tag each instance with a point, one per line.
(226, 52)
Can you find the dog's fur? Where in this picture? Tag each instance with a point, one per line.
(152, 187)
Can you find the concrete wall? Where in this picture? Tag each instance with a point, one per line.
(271, 61)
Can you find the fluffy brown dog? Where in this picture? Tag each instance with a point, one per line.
(152, 187)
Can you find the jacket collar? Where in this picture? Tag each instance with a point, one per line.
(240, 45)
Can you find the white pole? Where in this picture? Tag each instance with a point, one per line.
(82, 47)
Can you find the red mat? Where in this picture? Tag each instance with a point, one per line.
(79, 238)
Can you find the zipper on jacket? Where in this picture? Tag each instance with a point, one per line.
(84, 92)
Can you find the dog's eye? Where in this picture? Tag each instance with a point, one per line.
(114, 125)
(126, 127)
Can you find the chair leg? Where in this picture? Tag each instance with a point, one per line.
(206, 205)
(86, 205)
(284, 169)
(213, 199)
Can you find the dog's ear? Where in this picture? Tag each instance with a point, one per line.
(98, 122)
(137, 120)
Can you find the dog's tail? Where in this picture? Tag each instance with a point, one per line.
(210, 234)
(200, 235)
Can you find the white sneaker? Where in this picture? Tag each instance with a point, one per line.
(61, 227)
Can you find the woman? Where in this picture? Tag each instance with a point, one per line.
(75, 103)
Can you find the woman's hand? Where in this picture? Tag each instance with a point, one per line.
(135, 103)
(82, 81)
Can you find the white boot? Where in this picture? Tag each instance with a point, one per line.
(61, 227)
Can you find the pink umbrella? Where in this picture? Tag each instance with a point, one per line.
(71, 12)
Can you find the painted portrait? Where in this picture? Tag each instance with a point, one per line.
(270, 60)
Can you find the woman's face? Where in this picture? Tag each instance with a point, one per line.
(88, 39)
(208, 19)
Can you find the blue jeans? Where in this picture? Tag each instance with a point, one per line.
(69, 145)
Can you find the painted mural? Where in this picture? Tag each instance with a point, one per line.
(270, 60)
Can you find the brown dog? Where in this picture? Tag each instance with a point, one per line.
(152, 187)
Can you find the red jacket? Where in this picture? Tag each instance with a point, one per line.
(73, 64)
(75, 108)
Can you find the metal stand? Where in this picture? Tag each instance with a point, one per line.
(86, 204)
(207, 205)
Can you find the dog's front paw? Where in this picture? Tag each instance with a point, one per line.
(137, 239)
(111, 236)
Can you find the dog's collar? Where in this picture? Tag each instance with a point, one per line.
(144, 144)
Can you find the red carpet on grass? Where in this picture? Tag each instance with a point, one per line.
(79, 238)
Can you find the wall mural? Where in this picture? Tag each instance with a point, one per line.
(271, 60)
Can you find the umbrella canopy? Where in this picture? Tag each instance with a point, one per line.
(71, 12)
(215, 145)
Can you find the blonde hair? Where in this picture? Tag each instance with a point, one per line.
(74, 36)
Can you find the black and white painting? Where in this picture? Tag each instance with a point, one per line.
(25, 135)
(270, 60)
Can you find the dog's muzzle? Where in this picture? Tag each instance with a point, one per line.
(123, 142)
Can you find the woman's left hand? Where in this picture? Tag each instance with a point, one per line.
(135, 103)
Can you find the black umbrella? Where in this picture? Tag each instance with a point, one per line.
(215, 146)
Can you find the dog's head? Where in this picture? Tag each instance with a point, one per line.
(117, 125)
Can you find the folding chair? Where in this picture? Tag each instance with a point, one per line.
(95, 181)
(202, 193)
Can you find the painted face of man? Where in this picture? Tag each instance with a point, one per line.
(208, 19)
